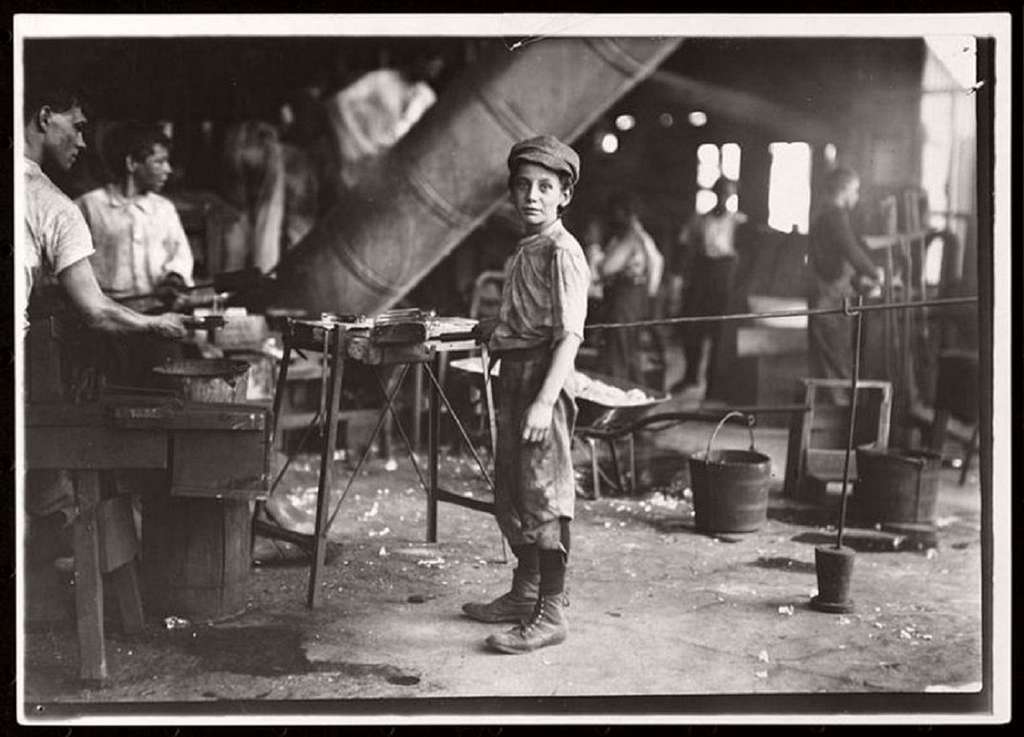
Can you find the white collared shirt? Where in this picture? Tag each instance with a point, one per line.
(138, 240)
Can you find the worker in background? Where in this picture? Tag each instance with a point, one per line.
(57, 248)
(708, 246)
(141, 246)
(536, 336)
(631, 270)
(839, 265)
(274, 186)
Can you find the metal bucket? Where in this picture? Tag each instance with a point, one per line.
(897, 485)
(730, 487)
(206, 379)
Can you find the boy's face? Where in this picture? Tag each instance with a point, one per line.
(151, 173)
(537, 194)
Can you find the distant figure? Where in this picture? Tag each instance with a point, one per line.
(275, 186)
(708, 244)
(631, 270)
(141, 246)
(836, 256)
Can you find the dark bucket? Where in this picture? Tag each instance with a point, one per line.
(730, 487)
(206, 379)
(896, 485)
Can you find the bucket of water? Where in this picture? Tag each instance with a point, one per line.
(730, 487)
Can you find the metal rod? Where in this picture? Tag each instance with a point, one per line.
(401, 431)
(366, 450)
(783, 313)
(853, 419)
(462, 429)
(323, 525)
(433, 430)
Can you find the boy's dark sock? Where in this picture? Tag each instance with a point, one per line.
(552, 572)
(527, 558)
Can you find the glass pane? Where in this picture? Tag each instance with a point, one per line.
(706, 200)
(731, 160)
(789, 186)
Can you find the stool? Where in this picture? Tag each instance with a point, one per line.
(816, 450)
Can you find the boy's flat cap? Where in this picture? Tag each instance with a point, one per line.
(549, 152)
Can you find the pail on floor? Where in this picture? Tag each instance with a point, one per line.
(896, 485)
(206, 379)
(730, 487)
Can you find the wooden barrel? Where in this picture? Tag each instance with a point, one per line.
(196, 551)
(196, 554)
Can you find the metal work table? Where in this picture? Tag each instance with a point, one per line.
(339, 342)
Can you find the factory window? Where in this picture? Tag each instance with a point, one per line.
(789, 186)
(714, 162)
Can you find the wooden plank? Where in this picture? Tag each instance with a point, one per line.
(89, 580)
(769, 341)
(42, 414)
(193, 416)
(443, 495)
(94, 448)
(118, 542)
(129, 597)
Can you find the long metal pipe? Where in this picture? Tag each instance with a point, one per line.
(449, 172)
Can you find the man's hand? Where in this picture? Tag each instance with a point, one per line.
(169, 325)
(169, 289)
(537, 424)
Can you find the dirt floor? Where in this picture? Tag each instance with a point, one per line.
(657, 609)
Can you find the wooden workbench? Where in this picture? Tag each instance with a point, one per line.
(187, 439)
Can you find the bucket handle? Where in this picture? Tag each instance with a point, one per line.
(750, 427)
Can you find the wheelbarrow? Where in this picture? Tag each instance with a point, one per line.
(606, 416)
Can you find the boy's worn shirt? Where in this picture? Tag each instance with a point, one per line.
(545, 294)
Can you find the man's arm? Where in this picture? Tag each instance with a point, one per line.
(655, 264)
(180, 260)
(102, 313)
(538, 416)
(616, 257)
(852, 249)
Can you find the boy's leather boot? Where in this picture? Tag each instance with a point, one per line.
(514, 605)
(547, 626)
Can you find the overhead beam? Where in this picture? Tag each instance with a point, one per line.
(741, 107)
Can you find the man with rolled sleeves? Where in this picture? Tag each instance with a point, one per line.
(536, 336)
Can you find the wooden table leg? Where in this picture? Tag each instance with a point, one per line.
(323, 494)
(89, 579)
(433, 432)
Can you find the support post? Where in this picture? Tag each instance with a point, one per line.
(336, 367)
(88, 579)
(433, 438)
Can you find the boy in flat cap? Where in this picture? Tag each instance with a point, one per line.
(537, 334)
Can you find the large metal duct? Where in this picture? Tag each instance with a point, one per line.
(449, 172)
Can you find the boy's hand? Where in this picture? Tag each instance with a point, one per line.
(537, 424)
(483, 330)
